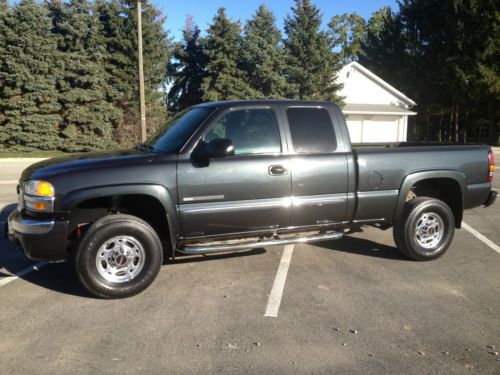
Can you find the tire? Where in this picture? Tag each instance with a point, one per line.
(119, 256)
(426, 229)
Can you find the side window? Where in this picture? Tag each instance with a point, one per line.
(311, 130)
(252, 131)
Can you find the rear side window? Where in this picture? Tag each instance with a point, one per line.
(311, 130)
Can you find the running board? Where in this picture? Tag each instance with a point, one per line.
(223, 247)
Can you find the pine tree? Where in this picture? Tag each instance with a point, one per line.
(348, 31)
(115, 36)
(118, 33)
(225, 79)
(88, 115)
(312, 65)
(187, 69)
(263, 55)
(5, 21)
(28, 72)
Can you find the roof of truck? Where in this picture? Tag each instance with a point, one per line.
(230, 103)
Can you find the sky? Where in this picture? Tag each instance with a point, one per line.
(204, 10)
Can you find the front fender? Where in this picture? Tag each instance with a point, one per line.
(75, 197)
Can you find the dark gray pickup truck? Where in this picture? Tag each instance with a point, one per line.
(231, 176)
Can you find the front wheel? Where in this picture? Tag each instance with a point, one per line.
(119, 256)
(425, 230)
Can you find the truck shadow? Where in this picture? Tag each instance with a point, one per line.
(363, 247)
(61, 277)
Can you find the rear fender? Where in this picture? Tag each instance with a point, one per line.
(413, 178)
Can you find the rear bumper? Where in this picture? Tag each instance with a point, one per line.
(492, 197)
(39, 239)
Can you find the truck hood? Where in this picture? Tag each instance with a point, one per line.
(84, 161)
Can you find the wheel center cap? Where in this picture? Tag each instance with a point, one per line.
(121, 260)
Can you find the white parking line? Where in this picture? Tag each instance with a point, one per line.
(494, 189)
(482, 238)
(21, 273)
(9, 182)
(274, 301)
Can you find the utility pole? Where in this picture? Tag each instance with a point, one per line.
(141, 72)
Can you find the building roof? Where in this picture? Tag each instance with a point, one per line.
(382, 83)
(375, 109)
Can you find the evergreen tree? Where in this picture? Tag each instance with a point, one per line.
(118, 33)
(348, 31)
(187, 69)
(5, 21)
(263, 55)
(28, 71)
(225, 79)
(384, 48)
(445, 55)
(88, 115)
(312, 65)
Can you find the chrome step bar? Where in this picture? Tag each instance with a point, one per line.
(224, 247)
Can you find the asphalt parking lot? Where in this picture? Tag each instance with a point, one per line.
(348, 306)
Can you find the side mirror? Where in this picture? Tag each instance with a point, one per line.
(216, 148)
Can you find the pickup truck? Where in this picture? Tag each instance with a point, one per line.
(237, 175)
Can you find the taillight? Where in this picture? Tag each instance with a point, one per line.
(491, 159)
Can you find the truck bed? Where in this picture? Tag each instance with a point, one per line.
(381, 168)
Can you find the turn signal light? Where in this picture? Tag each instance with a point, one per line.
(44, 189)
(39, 188)
(40, 206)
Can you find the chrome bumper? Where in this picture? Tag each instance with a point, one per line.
(17, 224)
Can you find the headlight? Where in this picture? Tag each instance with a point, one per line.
(39, 196)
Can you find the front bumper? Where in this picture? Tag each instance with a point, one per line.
(40, 239)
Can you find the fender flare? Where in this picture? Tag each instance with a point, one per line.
(413, 178)
(159, 192)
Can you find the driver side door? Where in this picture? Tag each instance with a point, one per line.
(246, 192)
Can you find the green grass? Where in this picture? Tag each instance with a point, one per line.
(32, 154)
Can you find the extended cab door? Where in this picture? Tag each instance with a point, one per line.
(318, 162)
(247, 192)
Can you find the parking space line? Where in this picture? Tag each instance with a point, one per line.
(9, 182)
(482, 238)
(21, 273)
(274, 301)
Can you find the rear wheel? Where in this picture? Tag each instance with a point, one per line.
(119, 256)
(425, 230)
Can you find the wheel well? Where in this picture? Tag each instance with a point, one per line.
(445, 189)
(146, 207)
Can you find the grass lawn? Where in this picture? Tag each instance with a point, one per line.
(32, 154)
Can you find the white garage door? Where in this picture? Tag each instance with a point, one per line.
(354, 124)
(367, 128)
(381, 129)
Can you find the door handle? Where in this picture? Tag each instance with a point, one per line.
(277, 170)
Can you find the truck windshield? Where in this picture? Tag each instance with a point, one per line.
(177, 131)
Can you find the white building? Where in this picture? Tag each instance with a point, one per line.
(375, 111)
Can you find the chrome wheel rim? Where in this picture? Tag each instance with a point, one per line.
(120, 259)
(429, 230)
